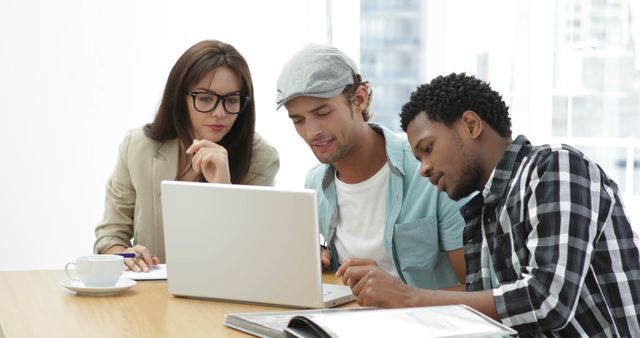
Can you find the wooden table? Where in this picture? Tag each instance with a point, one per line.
(34, 304)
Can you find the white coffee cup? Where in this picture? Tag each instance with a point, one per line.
(97, 270)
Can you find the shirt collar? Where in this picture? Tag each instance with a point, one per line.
(394, 148)
(506, 168)
(487, 188)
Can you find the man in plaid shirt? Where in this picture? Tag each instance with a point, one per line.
(548, 246)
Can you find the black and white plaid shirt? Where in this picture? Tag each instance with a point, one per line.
(565, 259)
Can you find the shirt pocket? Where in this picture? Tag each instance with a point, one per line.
(416, 244)
(503, 258)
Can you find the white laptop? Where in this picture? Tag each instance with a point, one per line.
(245, 244)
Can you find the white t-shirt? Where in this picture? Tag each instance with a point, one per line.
(360, 229)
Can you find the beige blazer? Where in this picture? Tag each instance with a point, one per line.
(132, 207)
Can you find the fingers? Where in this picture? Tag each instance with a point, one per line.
(137, 264)
(359, 276)
(210, 159)
(146, 255)
(367, 297)
(341, 270)
(354, 262)
(196, 145)
(193, 150)
(196, 157)
(353, 274)
(326, 262)
(325, 258)
(206, 160)
(130, 264)
(379, 288)
(363, 283)
(360, 280)
(141, 263)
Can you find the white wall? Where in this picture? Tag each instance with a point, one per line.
(75, 75)
(518, 36)
(520, 56)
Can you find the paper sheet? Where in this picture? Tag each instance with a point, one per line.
(157, 272)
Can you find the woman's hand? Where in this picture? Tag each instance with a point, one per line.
(211, 160)
(143, 261)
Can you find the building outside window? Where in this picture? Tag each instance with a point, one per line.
(568, 69)
(391, 54)
(596, 87)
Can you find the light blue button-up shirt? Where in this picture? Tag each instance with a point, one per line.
(421, 225)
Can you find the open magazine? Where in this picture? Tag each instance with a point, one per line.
(434, 321)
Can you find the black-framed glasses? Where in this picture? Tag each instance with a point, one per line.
(206, 101)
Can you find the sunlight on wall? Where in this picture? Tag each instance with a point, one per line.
(77, 74)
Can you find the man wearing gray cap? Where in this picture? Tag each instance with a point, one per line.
(374, 209)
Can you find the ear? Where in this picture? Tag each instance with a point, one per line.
(472, 124)
(361, 98)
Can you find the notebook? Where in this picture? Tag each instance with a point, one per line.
(245, 244)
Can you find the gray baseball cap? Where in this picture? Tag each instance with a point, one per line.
(315, 70)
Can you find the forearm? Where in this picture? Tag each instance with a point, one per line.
(116, 226)
(112, 235)
(116, 249)
(459, 287)
(456, 257)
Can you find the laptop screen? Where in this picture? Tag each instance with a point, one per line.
(242, 243)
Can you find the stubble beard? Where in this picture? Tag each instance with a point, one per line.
(469, 181)
(341, 151)
(470, 176)
(338, 154)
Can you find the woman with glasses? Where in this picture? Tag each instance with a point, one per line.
(203, 132)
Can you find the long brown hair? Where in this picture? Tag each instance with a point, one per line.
(172, 120)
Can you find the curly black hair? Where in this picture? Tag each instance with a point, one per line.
(445, 98)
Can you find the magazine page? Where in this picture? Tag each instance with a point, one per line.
(272, 324)
(303, 327)
(436, 321)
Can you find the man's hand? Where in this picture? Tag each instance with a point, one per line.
(375, 287)
(353, 262)
(325, 258)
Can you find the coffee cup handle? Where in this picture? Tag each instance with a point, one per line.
(66, 270)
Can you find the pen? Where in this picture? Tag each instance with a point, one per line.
(129, 255)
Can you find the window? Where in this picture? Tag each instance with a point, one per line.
(568, 69)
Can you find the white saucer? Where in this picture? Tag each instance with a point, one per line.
(81, 289)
